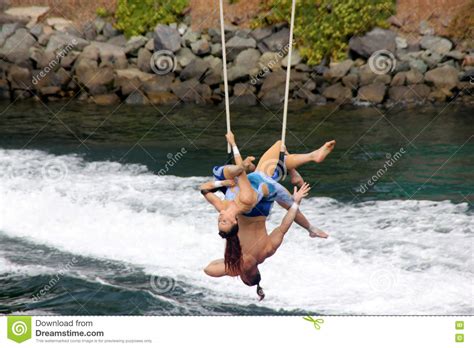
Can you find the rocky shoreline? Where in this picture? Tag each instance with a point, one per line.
(49, 59)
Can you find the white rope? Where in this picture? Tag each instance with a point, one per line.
(224, 67)
(288, 73)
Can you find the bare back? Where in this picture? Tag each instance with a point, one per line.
(254, 239)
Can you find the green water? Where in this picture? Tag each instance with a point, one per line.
(438, 142)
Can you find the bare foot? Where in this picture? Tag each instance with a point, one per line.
(316, 232)
(248, 165)
(320, 154)
(296, 178)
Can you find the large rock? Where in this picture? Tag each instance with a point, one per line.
(32, 13)
(134, 44)
(413, 77)
(158, 83)
(249, 59)
(66, 42)
(244, 94)
(270, 61)
(195, 70)
(201, 47)
(375, 40)
(411, 93)
(20, 78)
(59, 23)
(436, 44)
(272, 97)
(166, 38)
(238, 44)
(143, 60)
(111, 55)
(162, 98)
(274, 80)
(185, 56)
(278, 41)
(191, 91)
(97, 81)
(295, 59)
(338, 93)
(443, 77)
(43, 58)
(132, 73)
(7, 31)
(16, 47)
(338, 70)
(373, 93)
(237, 73)
(261, 33)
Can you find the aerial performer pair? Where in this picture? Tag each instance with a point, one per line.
(249, 194)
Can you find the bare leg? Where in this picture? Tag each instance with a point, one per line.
(269, 160)
(231, 171)
(297, 160)
(216, 269)
(301, 220)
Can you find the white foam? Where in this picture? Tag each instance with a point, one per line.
(383, 257)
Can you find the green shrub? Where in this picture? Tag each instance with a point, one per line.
(136, 17)
(323, 27)
(102, 12)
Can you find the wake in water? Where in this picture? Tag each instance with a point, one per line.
(382, 257)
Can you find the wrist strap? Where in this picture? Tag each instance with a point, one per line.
(295, 206)
(217, 183)
(235, 150)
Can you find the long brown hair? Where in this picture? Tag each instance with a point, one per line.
(233, 251)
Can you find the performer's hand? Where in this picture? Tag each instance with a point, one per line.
(230, 138)
(298, 195)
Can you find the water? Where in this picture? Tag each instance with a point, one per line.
(87, 227)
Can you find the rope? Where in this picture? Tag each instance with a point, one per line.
(224, 67)
(288, 73)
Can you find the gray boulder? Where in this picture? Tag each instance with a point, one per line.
(249, 59)
(195, 70)
(338, 70)
(411, 93)
(185, 56)
(111, 55)
(338, 93)
(16, 47)
(143, 60)
(373, 93)
(443, 77)
(436, 44)
(238, 44)
(201, 47)
(375, 40)
(191, 91)
(278, 41)
(166, 38)
(20, 78)
(134, 44)
(295, 59)
(261, 33)
(60, 41)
